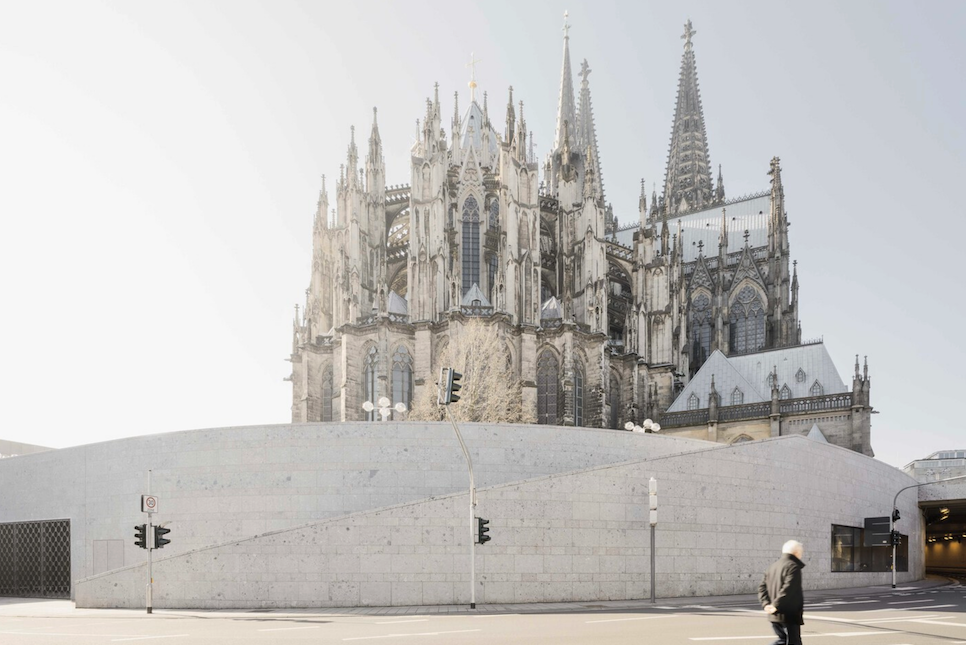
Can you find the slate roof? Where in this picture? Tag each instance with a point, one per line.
(471, 130)
(749, 373)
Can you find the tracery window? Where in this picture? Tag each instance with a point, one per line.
(786, 393)
(548, 388)
(747, 322)
(370, 379)
(817, 389)
(402, 377)
(771, 380)
(800, 375)
(737, 397)
(578, 394)
(494, 213)
(700, 330)
(693, 402)
(327, 393)
(471, 243)
(615, 402)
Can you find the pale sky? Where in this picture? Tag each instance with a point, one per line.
(160, 165)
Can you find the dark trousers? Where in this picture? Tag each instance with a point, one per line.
(788, 634)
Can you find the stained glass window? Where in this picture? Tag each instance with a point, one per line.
(548, 388)
(747, 322)
(369, 380)
(402, 377)
(327, 393)
(471, 243)
(700, 331)
(494, 213)
(578, 394)
(817, 389)
(737, 397)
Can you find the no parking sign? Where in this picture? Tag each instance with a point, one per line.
(149, 504)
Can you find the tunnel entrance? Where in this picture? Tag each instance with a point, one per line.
(945, 547)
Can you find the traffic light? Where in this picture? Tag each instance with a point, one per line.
(482, 530)
(159, 539)
(896, 538)
(895, 515)
(448, 386)
(141, 535)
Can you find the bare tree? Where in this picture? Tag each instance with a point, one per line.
(491, 389)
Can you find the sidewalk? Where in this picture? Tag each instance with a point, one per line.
(42, 608)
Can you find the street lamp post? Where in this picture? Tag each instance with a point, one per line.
(648, 426)
(385, 407)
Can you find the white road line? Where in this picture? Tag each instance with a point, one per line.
(909, 602)
(621, 620)
(58, 634)
(936, 622)
(288, 629)
(396, 622)
(839, 634)
(364, 638)
(144, 638)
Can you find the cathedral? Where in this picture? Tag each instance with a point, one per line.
(687, 316)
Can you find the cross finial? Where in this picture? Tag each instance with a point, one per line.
(747, 235)
(472, 66)
(700, 246)
(688, 32)
(566, 27)
(584, 71)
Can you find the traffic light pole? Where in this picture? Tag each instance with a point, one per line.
(469, 465)
(892, 519)
(149, 543)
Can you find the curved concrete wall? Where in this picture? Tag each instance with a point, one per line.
(232, 483)
(581, 536)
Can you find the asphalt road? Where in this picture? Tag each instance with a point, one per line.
(882, 617)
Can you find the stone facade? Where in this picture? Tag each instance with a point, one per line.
(605, 324)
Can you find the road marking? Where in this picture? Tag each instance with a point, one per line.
(287, 629)
(57, 634)
(396, 622)
(621, 620)
(909, 602)
(935, 622)
(458, 631)
(144, 638)
(839, 634)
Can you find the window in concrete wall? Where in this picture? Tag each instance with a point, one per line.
(848, 554)
(35, 559)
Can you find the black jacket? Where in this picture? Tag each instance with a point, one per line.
(782, 587)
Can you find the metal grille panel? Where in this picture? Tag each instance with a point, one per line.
(35, 559)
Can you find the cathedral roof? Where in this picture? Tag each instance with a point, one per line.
(398, 304)
(799, 368)
(475, 295)
(551, 309)
(471, 130)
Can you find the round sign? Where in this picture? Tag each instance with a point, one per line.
(150, 502)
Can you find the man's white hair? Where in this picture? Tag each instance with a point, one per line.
(794, 547)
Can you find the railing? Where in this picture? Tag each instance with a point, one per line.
(746, 411)
(323, 341)
(620, 251)
(550, 323)
(476, 310)
(399, 318)
(688, 418)
(816, 404)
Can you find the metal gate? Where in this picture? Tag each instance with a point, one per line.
(35, 559)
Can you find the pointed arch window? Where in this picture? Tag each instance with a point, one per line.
(737, 397)
(747, 322)
(370, 378)
(693, 402)
(800, 375)
(786, 393)
(578, 394)
(548, 388)
(615, 402)
(471, 243)
(817, 389)
(491, 266)
(771, 380)
(402, 377)
(326, 393)
(700, 331)
(494, 213)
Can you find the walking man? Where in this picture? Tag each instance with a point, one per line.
(780, 594)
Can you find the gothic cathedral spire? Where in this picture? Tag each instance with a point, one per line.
(566, 109)
(586, 131)
(687, 184)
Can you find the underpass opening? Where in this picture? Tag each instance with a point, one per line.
(945, 535)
